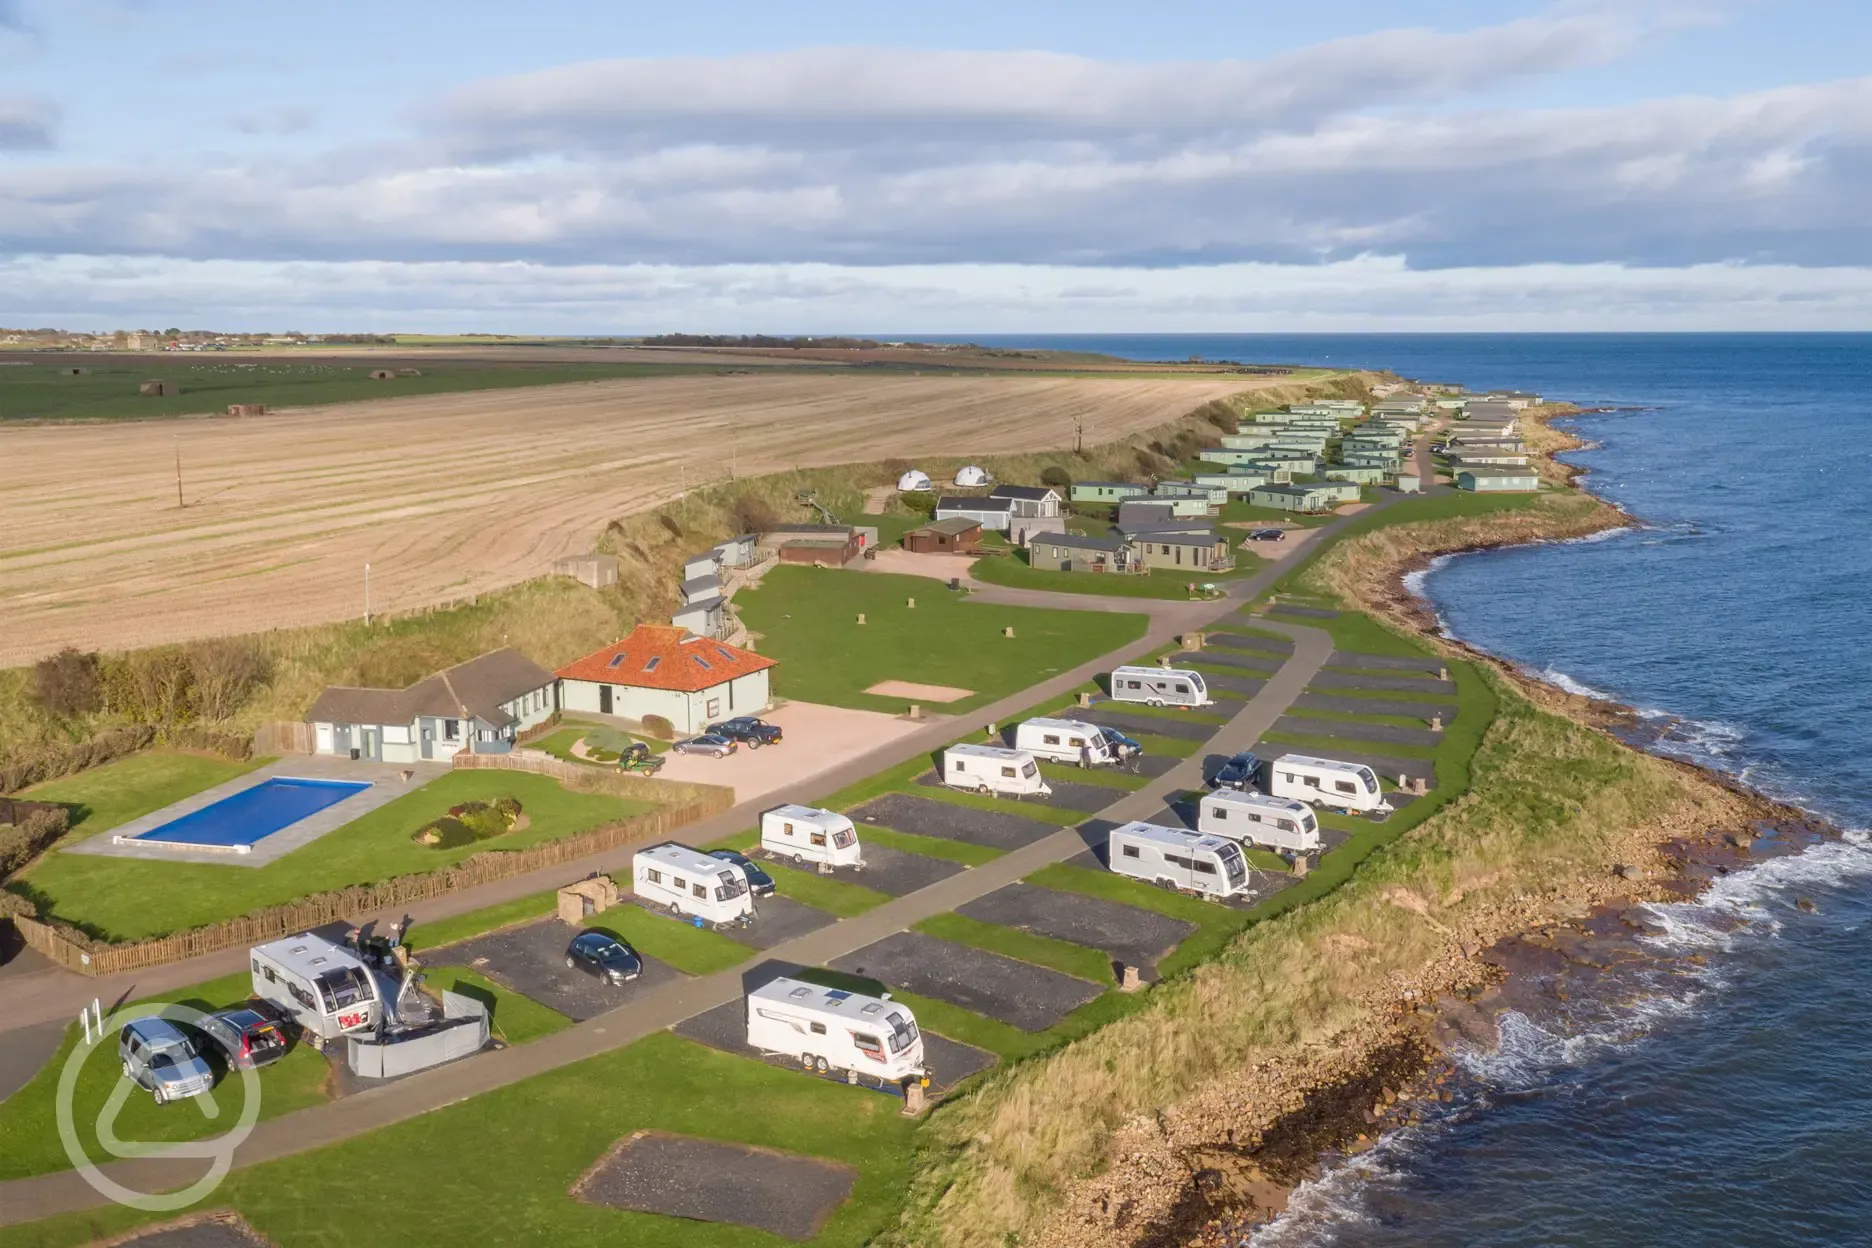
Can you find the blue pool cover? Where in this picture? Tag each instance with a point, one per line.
(253, 814)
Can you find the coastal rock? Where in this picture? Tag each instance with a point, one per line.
(1628, 872)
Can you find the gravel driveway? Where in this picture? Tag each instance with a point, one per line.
(1348, 730)
(682, 1176)
(924, 816)
(1009, 991)
(531, 960)
(1129, 934)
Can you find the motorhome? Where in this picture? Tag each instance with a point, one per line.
(1064, 741)
(1326, 782)
(1210, 866)
(830, 1029)
(686, 881)
(1257, 819)
(322, 986)
(1159, 686)
(991, 769)
(808, 834)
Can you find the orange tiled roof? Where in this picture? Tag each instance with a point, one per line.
(662, 656)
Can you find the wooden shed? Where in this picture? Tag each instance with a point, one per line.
(956, 535)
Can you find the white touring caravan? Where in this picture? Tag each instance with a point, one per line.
(1159, 686)
(687, 881)
(1257, 819)
(991, 769)
(829, 1029)
(809, 834)
(322, 986)
(1326, 782)
(1064, 741)
(1211, 866)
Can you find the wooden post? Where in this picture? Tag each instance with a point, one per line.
(1442, 673)
(1085, 699)
(1436, 723)
(916, 712)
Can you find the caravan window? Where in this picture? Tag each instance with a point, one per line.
(699, 891)
(958, 764)
(1344, 786)
(1030, 770)
(1371, 781)
(818, 1029)
(271, 977)
(903, 1031)
(1132, 684)
(1312, 782)
(870, 1046)
(653, 876)
(1181, 687)
(678, 883)
(1176, 860)
(843, 838)
(1202, 867)
(1221, 812)
(1008, 772)
(1051, 738)
(787, 828)
(818, 838)
(1131, 851)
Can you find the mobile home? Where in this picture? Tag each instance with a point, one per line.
(1326, 782)
(1257, 819)
(1159, 686)
(830, 1029)
(323, 986)
(1211, 866)
(686, 881)
(809, 834)
(991, 769)
(1498, 480)
(1064, 741)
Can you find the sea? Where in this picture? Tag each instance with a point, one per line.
(1729, 1102)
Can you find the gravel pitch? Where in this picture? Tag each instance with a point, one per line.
(218, 1231)
(531, 961)
(1017, 993)
(924, 816)
(1387, 768)
(725, 1028)
(1342, 729)
(1066, 794)
(1153, 765)
(1373, 706)
(1250, 641)
(1304, 613)
(1351, 658)
(1326, 682)
(1130, 935)
(894, 872)
(780, 920)
(1222, 658)
(1246, 686)
(711, 1181)
(1181, 729)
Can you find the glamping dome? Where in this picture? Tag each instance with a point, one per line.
(972, 475)
(914, 480)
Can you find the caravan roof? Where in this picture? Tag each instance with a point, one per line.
(809, 814)
(683, 858)
(1171, 838)
(988, 751)
(816, 996)
(308, 954)
(1328, 764)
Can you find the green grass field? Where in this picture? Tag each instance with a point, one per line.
(807, 618)
(211, 382)
(131, 898)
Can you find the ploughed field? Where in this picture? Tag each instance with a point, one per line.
(445, 496)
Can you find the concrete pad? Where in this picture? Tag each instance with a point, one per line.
(1017, 993)
(1129, 934)
(725, 1028)
(1160, 726)
(778, 920)
(385, 779)
(895, 873)
(921, 693)
(1373, 706)
(1393, 662)
(1303, 613)
(25, 1052)
(944, 568)
(1347, 730)
(925, 816)
(1249, 641)
(215, 1230)
(1244, 685)
(680, 1176)
(1328, 681)
(530, 960)
(818, 739)
(1203, 659)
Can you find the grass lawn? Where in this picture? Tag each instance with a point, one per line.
(490, 918)
(129, 898)
(690, 949)
(114, 794)
(1215, 925)
(496, 1169)
(1238, 511)
(1327, 744)
(807, 620)
(834, 896)
(1104, 777)
(1063, 956)
(514, 1018)
(29, 1136)
(967, 854)
(1347, 717)
(1014, 572)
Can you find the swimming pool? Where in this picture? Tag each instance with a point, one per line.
(253, 814)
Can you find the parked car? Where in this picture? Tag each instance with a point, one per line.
(157, 1056)
(1122, 747)
(759, 882)
(710, 743)
(1268, 535)
(1238, 773)
(248, 1037)
(749, 730)
(603, 955)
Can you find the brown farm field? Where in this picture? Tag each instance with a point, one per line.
(446, 496)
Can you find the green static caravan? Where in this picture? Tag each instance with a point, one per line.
(1316, 424)
(1311, 446)
(1314, 496)
(1247, 441)
(1264, 419)
(1077, 552)
(1231, 482)
(1369, 459)
(1189, 498)
(1107, 491)
(1498, 480)
(1392, 424)
(1375, 437)
(1475, 457)
(1225, 455)
(1361, 474)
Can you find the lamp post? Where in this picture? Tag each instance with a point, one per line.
(367, 595)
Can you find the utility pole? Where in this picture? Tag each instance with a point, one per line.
(367, 595)
(1078, 436)
(178, 473)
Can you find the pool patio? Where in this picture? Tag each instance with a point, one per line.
(386, 781)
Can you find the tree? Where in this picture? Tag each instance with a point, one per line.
(1056, 476)
(750, 513)
(66, 684)
(224, 674)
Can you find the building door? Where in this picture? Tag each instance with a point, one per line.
(428, 741)
(370, 747)
(604, 699)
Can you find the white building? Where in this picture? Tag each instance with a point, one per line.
(477, 706)
(661, 670)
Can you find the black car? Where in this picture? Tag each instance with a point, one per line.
(603, 955)
(1238, 773)
(749, 730)
(759, 882)
(247, 1037)
(1121, 746)
(1268, 535)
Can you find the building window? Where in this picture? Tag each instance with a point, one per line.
(451, 730)
(713, 708)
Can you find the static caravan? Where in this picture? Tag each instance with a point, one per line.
(1190, 862)
(1270, 418)
(1106, 491)
(323, 986)
(1064, 741)
(1159, 686)
(1257, 819)
(991, 769)
(1498, 480)
(830, 1029)
(1326, 782)
(1221, 455)
(809, 834)
(686, 881)
(1246, 441)
(1231, 482)
(1360, 474)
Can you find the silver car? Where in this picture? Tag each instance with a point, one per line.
(157, 1056)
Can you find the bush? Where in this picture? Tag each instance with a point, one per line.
(445, 833)
(224, 675)
(150, 686)
(470, 822)
(31, 766)
(13, 903)
(750, 513)
(660, 728)
(922, 502)
(66, 684)
(21, 843)
(1056, 477)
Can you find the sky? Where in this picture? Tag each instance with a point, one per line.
(1041, 166)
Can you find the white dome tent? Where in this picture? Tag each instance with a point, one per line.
(972, 475)
(914, 480)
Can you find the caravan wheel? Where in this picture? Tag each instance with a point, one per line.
(799, 860)
(821, 1065)
(675, 910)
(806, 1060)
(1169, 886)
(983, 789)
(1153, 702)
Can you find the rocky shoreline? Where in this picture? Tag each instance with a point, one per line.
(1578, 939)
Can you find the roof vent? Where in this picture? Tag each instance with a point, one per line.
(800, 992)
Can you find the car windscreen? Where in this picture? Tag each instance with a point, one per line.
(613, 952)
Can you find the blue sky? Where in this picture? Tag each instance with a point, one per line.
(566, 168)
